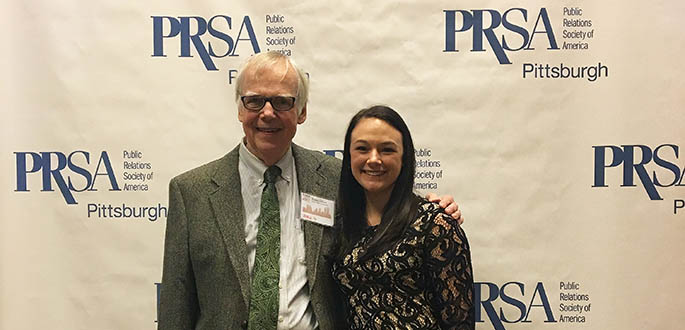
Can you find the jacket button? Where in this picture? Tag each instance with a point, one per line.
(243, 324)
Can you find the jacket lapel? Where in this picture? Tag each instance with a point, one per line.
(227, 203)
(310, 181)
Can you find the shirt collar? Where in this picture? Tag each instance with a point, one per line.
(256, 167)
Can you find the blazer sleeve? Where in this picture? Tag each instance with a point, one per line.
(178, 302)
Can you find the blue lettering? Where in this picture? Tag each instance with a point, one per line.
(493, 293)
(515, 28)
(513, 302)
(626, 155)
(21, 168)
(451, 30)
(191, 29)
(474, 19)
(548, 30)
(544, 303)
(629, 165)
(186, 37)
(49, 172)
(667, 165)
(158, 33)
(247, 25)
(158, 286)
(79, 170)
(220, 35)
(104, 160)
(51, 164)
(600, 162)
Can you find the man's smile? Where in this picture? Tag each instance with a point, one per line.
(268, 129)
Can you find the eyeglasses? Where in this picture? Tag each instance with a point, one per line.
(257, 102)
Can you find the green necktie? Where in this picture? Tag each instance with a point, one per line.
(265, 278)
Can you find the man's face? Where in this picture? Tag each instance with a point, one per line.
(269, 132)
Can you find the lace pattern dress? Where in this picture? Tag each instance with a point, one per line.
(424, 281)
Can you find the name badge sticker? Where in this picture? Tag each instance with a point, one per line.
(316, 209)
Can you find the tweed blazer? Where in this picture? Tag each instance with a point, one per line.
(205, 281)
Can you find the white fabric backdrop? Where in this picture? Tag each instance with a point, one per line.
(80, 77)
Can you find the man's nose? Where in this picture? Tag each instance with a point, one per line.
(268, 110)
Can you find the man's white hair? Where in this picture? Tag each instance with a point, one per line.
(271, 59)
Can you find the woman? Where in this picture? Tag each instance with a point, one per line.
(402, 263)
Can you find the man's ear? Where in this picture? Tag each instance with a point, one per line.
(303, 115)
(241, 114)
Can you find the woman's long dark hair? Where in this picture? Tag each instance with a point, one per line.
(402, 207)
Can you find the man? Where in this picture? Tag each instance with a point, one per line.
(217, 246)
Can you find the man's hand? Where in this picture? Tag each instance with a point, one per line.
(447, 202)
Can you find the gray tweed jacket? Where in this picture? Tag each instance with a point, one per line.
(205, 281)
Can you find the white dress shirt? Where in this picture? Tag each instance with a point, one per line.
(294, 311)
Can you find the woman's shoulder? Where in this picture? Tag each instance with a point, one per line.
(428, 206)
(432, 219)
(432, 212)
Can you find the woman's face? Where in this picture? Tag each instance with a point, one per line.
(375, 155)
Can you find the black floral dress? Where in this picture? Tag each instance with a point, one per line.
(424, 282)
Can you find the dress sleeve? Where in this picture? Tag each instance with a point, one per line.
(449, 273)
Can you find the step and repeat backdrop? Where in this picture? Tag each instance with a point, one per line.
(556, 125)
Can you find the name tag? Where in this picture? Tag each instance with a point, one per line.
(316, 209)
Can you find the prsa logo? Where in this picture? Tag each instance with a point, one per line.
(204, 35)
(512, 21)
(513, 296)
(489, 296)
(64, 169)
(643, 161)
